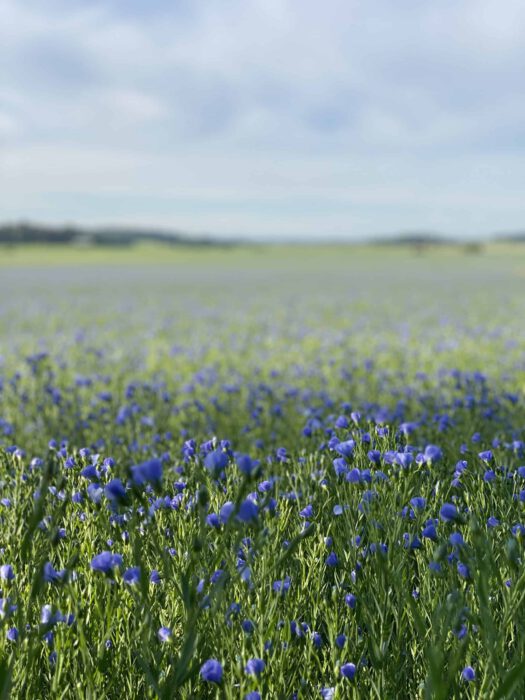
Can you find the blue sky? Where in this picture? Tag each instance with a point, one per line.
(265, 118)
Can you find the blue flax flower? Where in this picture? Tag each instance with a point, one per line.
(448, 512)
(6, 572)
(115, 491)
(248, 511)
(332, 559)
(132, 575)
(164, 634)
(12, 634)
(50, 575)
(216, 461)
(254, 667)
(348, 671)
(211, 671)
(468, 674)
(147, 472)
(105, 562)
(432, 454)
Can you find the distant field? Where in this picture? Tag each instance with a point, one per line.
(262, 472)
(36, 255)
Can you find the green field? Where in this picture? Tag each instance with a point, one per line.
(158, 254)
(310, 456)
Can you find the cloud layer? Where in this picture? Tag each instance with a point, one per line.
(265, 118)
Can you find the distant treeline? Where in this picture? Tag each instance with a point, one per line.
(413, 239)
(13, 234)
(435, 239)
(23, 234)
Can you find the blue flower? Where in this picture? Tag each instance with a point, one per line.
(12, 634)
(374, 456)
(212, 519)
(105, 562)
(282, 586)
(254, 667)
(46, 615)
(340, 641)
(348, 671)
(95, 492)
(90, 473)
(147, 472)
(115, 490)
(226, 511)
(448, 512)
(418, 502)
(332, 559)
(132, 575)
(6, 572)
(460, 633)
(217, 575)
(246, 464)
(468, 674)
(486, 456)
(411, 541)
(463, 570)
(342, 422)
(247, 626)
(297, 629)
(248, 511)
(50, 575)
(351, 600)
(345, 448)
(317, 640)
(253, 695)
(354, 476)
(154, 577)
(216, 461)
(282, 454)
(432, 454)
(340, 466)
(429, 531)
(518, 530)
(307, 512)
(164, 634)
(211, 671)
(456, 539)
(404, 459)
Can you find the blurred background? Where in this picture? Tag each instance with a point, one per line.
(262, 120)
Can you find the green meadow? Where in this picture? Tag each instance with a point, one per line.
(262, 472)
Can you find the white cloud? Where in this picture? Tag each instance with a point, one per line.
(241, 106)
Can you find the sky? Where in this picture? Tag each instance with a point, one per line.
(265, 119)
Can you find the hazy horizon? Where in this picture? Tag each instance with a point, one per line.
(266, 119)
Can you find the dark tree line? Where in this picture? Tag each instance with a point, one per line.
(23, 233)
